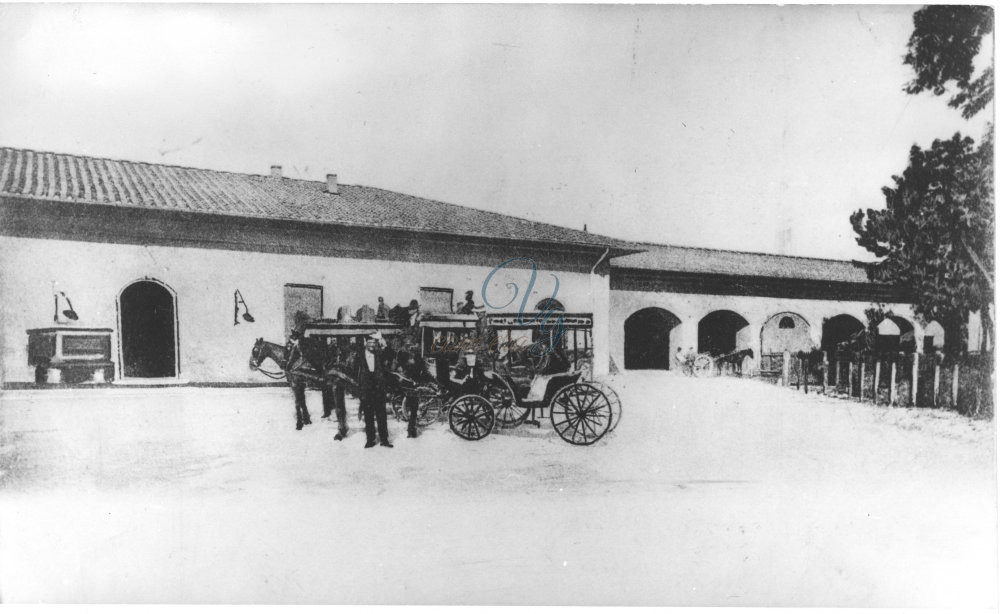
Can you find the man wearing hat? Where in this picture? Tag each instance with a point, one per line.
(371, 390)
(413, 312)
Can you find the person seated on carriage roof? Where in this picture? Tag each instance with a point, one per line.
(382, 312)
(469, 306)
(413, 311)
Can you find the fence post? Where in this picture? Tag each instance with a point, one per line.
(826, 373)
(893, 397)
(850, 379)
(914, 377)
(836, 370)
(937, 384)
(878, 374)
(861, 381)
(786, 365)
(954, 387)
(805, 373)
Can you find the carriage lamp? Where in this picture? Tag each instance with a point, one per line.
(237, 301)
(68, 313)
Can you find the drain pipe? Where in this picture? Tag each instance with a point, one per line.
(600, 260)
(600, 369)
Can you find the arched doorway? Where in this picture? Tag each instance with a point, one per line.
(722, 332)
(895, 334)
(838, 329)
(148, 328)
(785, 332)
(647, 338)
(933, 337)
(549, 304)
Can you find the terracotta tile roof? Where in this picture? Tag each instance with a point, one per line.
(721, 262)
(81, 179)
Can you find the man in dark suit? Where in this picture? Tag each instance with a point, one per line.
(412, 368)
(371, 390)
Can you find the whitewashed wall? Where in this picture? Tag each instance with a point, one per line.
(211, 348)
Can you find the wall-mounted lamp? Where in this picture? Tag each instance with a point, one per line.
(237, 301)
(68, 313)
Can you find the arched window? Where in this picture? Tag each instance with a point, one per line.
(786, 322)
(549, 304)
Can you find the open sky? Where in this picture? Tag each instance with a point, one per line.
(714, 126)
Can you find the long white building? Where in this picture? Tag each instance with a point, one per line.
(166, 257)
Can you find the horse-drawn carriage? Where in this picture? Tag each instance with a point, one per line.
(730, 363)
(507, 369)
(481, 371)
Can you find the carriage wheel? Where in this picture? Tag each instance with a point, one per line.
(703, 365)
(616, 403)
(581, 414)
(471, 417)
(430, 407)
(500, 395)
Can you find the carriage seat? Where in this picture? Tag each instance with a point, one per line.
(544, 387)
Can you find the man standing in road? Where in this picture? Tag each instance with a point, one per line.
(371, 390)
(412, 368)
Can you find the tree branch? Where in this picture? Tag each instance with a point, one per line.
(979, 263)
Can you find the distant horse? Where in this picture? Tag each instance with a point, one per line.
(299, 371)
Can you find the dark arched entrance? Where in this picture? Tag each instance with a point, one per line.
(895, 334)
(839, 329)
(647, 338)
(722, 332)
(933, 337)
(549, 304)
(148, 330)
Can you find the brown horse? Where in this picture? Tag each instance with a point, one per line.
(321, 371)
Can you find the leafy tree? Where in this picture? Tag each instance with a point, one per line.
(942, 50)
(935, 236)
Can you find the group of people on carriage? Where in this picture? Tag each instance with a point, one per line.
(449, 364)
(372, 370)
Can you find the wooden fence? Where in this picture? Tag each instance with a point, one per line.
(910, 380)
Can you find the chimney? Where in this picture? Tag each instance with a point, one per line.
(275, 171)
(331, 184)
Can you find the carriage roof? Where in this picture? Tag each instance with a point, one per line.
(452, 321)
(539, 319)
(449, 321)
(336, 328)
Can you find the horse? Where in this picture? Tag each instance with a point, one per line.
(300, 370)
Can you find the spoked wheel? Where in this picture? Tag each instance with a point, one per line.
(430, 406)
(581, 414)
(500, 395)
(703, 365)
(616, 403)
(471, 417)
